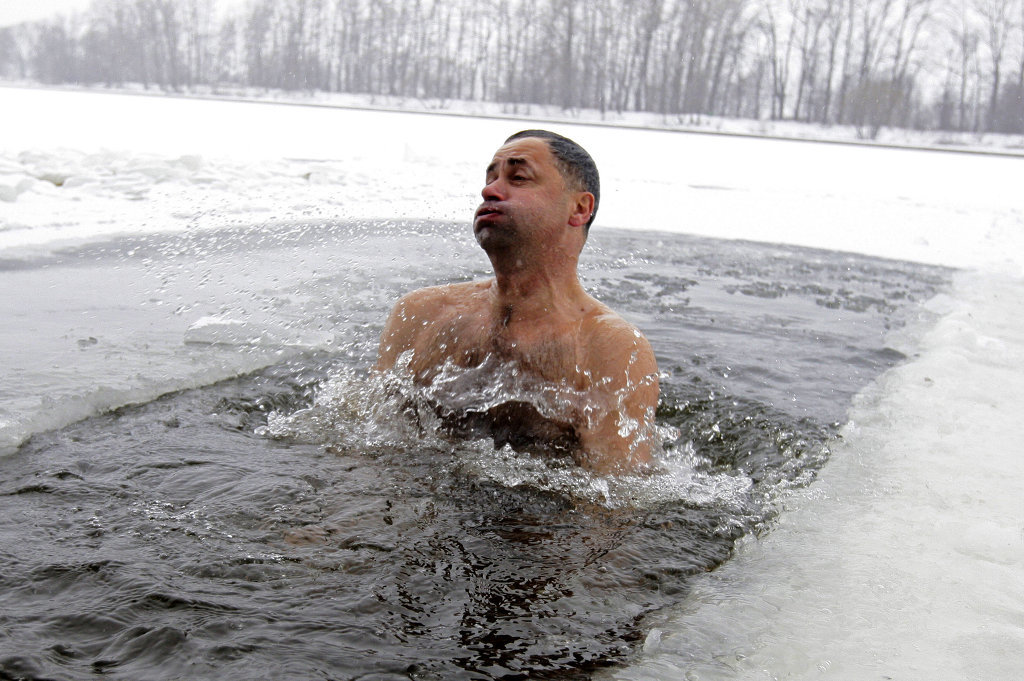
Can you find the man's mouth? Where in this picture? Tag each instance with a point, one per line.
(486, 210)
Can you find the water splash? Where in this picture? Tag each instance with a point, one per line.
(354, 411)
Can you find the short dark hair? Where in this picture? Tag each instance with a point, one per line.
(574, 163)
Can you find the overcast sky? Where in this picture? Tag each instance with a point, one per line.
(17, 11)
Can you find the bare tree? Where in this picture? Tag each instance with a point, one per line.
(846, 61)
(810, 18)
(780, 30)
(965, 44)
(834, 19)
(995, 17)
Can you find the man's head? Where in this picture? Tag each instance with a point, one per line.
(533, 200)
(574, 163)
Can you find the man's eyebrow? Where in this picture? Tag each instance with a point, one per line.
(518, 161)
(512, 161)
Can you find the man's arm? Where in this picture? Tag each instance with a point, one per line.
(625, 389)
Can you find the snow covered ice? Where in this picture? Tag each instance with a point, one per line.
(182, 162)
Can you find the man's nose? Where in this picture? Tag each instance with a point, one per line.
(494, 190)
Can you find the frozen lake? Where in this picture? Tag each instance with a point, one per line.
(902, 559)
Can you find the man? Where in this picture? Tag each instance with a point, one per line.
(590, 377)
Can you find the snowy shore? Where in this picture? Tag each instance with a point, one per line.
(938, 140)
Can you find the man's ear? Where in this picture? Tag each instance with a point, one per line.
(582, 209)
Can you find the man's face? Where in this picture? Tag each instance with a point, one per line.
(525, 196)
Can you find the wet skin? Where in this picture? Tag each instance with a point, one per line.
(535, 315)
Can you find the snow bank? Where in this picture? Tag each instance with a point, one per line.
(904, 559)
(558, 115)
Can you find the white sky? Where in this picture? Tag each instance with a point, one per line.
(17, 11)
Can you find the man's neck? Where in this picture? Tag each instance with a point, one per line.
(524, 293)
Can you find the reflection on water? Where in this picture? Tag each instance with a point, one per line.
(176, 539)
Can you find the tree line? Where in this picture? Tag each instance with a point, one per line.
(924, 64)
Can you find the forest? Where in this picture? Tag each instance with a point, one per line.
(953, 65)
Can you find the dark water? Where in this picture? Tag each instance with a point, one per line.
(175, 539)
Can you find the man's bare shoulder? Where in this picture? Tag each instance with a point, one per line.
(602, 324)
(433, 299)
(420, 317)
(613, 344)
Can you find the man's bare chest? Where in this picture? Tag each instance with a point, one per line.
(549, 352)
